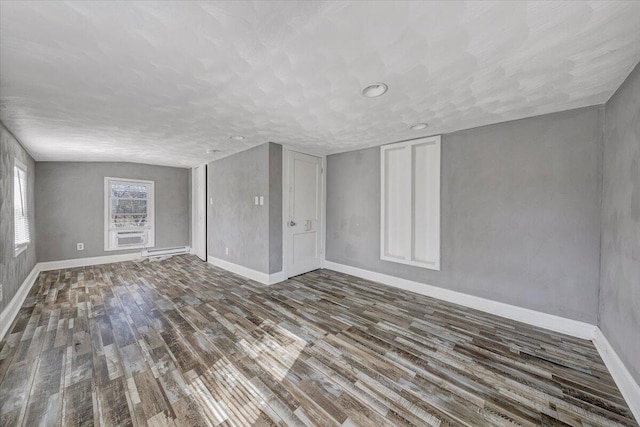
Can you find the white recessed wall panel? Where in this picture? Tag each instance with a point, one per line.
(426, 203)
(398, 195)
(410, 205)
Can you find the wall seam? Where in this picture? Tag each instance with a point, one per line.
(601, 161)
(18, 141)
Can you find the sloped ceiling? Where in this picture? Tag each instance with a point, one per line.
(162, 82)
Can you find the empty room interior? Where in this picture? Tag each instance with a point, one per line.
(320, 213)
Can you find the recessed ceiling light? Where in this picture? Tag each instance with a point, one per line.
(212, 151)
(237, 137)
(374, 89)
(419, 126)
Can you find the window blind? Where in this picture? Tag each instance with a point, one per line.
(128, 205)
(20, 208)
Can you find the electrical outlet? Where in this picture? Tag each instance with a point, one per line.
(226, 251)
(256, 200)
(211, 201)
(80, 246)
(261, 200)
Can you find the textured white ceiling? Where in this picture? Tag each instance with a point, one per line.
(162, 82)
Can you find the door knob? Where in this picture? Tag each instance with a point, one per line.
(292, 224)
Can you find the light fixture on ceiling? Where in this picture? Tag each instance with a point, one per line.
(237, 137)
(419, 126)
(374, 89)
(212, 151)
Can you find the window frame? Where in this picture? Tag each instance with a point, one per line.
(19, 248)
(407, 213)
(151, 220)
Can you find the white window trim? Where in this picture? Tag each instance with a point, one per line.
(435, 265)
(19, 248)
(151, 216)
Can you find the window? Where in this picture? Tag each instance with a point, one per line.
(410, 203)
(129, 214)
(22, 237)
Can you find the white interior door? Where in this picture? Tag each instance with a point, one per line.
(199, 211)
(305, 211)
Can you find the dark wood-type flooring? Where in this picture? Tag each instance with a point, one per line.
(179, 342)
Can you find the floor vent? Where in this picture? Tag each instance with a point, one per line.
(150, 253)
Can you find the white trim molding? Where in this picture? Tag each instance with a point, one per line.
(249, 273)
(83, 262)
(199, 205)
(21, 225)
(563, 325)
(410, 202)
(628, 387)
(146, 232)
(10, 312)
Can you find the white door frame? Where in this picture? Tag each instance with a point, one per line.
(199, 192)
(286, 152)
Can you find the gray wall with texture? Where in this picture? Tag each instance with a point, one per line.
(234, 221)
(70, 200)
(13, 270)
(620, 272)
(275, 208)
(520, 213)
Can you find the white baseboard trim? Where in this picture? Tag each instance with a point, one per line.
(277, 277)
(628, 387)
(83, 262)
(574, 328)
(249, 273)
(10, 312)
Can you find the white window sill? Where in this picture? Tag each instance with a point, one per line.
(19, 249)
(421, 264)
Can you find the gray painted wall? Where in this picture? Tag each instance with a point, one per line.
(619, 309)
(14, 270)
(520, 213)
(275, 208)
(234, 221)
(70, 200)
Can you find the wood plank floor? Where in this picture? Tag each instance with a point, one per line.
(179, 342)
